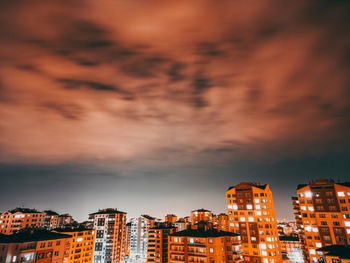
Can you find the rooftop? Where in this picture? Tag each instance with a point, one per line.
(203, 233)
(23, 210)
(51, 213)
(31, 235)
(323, 182)
(71, 229)
(340, 251)
(288, 238)
(201, 210)
(248, 185)
(108, 211)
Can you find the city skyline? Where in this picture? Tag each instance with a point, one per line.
(157, 109)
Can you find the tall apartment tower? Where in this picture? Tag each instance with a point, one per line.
(322, 211)
(252, 215)
(139, 237)
(201, 215)
(110, 234)
(157, 247)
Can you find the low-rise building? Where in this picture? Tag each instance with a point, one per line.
(40, 246)
(335, 254)
(12, 221)
(204, 244)
(291, 249)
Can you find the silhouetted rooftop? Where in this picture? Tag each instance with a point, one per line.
(23, 210)
(248, 184)
(203, 233)
(51, 213)
(340, 251)
(108, 211)
(72, 229)
(32, 235)
(321, 183)
(288, 238)
(148, 217)
(201, 210)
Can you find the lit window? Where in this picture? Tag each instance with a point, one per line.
(308, 194)
(348, 231)
(315, 229)
(312, 252)
(211, 250)
(235, 207)
(257, 207)
(249, 207)
(347, 223)
(264, 253)
(251, 219)
(311, 208)
(229, 206)
(341, 194)
(258, 213)
(191, 240)
(318, 244)
(257, 200)
(242, 219)
(303, 208)
(262, 246)
(308, 228)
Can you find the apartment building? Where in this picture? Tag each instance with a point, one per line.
(291, 249)
(171, 218)
(82, 243)
(322, 211)
(157, 247)
(204, 244)
(20, 218)
(221, 222)
(40, 246)
(65, 219)
(335, 254)
(109, 224)
(252, 215)
(50, 220)
(201, 215)
(139, 237)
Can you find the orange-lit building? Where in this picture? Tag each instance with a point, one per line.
(50, 219)
(221, 222)
(335, 254)
(40, 246)
(291, 249)
(201, 215)
(81, 245)
(322, 210)
(204, 245)
(252, 215)
(157, 246)
(127, 239)
(171, 218)
(110, 235)
(65, 219)
(20, 218)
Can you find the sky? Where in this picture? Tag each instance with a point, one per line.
(159, 106)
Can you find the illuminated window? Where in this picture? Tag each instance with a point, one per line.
(308, 194)
(249, 207)
(251, 219)
(341, 194)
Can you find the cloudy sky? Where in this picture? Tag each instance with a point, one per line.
(159, 106)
